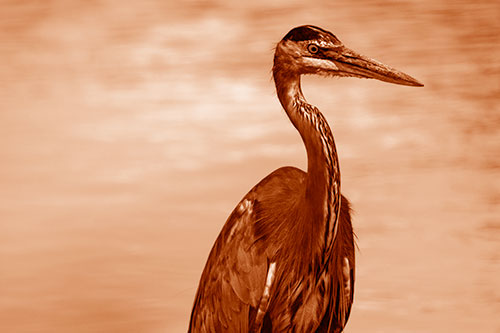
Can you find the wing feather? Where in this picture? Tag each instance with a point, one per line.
(234, 277)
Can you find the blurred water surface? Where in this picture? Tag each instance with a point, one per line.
(130, 131)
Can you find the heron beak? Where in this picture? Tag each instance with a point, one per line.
(350, 63)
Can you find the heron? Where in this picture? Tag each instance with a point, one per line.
(285, 258)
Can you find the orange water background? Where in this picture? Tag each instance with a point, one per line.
(130, 131)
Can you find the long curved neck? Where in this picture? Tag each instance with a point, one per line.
(322, 192)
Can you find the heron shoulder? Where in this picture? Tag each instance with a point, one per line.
(283, 181)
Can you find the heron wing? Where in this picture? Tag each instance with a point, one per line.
(346, 254)
(234, 277)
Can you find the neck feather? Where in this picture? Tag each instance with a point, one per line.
(322, 192)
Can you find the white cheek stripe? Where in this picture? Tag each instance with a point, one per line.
(321, 63)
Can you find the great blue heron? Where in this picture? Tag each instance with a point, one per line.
(284, 260)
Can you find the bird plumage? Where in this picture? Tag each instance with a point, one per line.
(234, 278)
(285, 260)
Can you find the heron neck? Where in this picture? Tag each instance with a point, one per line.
(322, 192)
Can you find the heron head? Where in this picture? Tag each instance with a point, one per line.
(311, 50)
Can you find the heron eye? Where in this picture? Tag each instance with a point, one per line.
(313, 48)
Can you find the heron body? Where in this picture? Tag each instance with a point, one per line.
(284, 261)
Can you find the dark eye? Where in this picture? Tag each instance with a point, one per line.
(313, 48)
